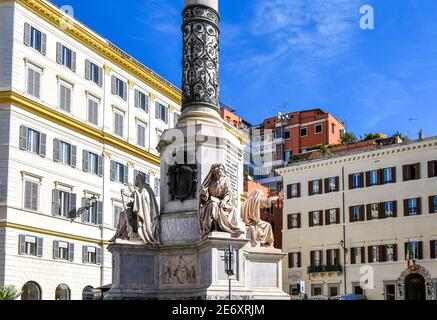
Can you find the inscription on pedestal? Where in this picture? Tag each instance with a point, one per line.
(136, 270)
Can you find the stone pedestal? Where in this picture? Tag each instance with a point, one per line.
(194, 272)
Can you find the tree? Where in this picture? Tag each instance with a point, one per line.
(348, 137)
(404, 138)
(9, 293)
(373, 136)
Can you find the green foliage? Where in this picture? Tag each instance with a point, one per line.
(372, 136)
(9, 293)
(323, 148)
(348, 137)
(403, 137)
(292, 159)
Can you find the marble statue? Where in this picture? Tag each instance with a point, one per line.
(217, 204)
(260, 232)
(140, 219)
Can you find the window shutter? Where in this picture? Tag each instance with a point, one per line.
(126, 174)
(337, 184)
(42, 144)
(351, 180)
(100, 76)
(84, 254)
(299, 259)
(310, 189)
(289, 223)
(361, 180)
(87, 70)
(83, 203)
(73, 156)
(289, 191)
(326, 185)
(337, 213)
(137, 98)
(124, 90)
(361, 213)
(298, 190)
(431, 204)
(393, 174)
(73, 61)
(43, 43)
(420, 253)
(419, 206)
(85, 161)
(328, 258)
(395, 252)
(100, 166)
(99, 256)
(21, 244)
(113, 85)
(113, 169)
(382, 251)
(71, 252)
(368, 179)
(353, 260)
(23, 138)
(39, 247)
(27, 195)
(166, 115)
(418, 175)
(310, 219)
(34, 203)
(59, 53)
(405, 172)
(72, 209)
(157, 110)
(299, 224)
(55, 202)
(99, 212)
(351, 214)
(312, 258)
(327, 220)
(37, 85)
(432, 248)
(369, 255)
(56, 147)
(395, 209)
(320, 186)
(405, 208)
(337, 254)
(27, 31)
(381, 210)
(380, 176)
(430, 171)
(405, 249)
(55, 249)
(290, 260)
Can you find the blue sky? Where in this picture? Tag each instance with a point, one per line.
(291, 55)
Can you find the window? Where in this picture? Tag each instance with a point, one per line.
(62, 292)
(303, 132)
(141, 101)
(318, 129)
(334, 290)
(33, 141)
(94, 214)
(316, 260)
(119, 172)
(64, 203)
(388, 175)
(118, 209)
(356, 180)
(146, 176)
(287, 135)
(315, 219)
(374, 254)
(333, 128)
(35, 39)
(65, 153)
(332, 184)
(373, 178)
(315, 187)
(119, 87)
(389, 209)
(66, 57)
(432, 169)
(161, 112)
(92, 163)
(433, 248)
(93, 112)
(412, 207)
(411, 172)
(30, 245)
(316, 290)
(294, 289)
(413, 250)
(293, 190)
(293, 221)
(333, 257)
(374, 211)
(433, 204)
(31, 195)
(141, 135)
(356, 213)
(63, 251)
(389, 253)
(157, 186)
(358, 290)
(332, 215)
(31, 291)
(390, 292)
(357, 255)
(93, 72)
(294, 260)
(65, 97)
(34, 82)
(118, 123)
(91, 255)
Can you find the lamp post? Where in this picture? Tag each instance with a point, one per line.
(229, 267)
(90, 203)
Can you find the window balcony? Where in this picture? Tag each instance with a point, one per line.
(325, 269)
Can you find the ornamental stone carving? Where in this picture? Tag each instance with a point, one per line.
(200, 82)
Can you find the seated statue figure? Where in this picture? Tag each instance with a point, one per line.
(140, 219)
(260, 232)
(217, 205)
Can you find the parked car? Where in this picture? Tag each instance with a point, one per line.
(350, 297)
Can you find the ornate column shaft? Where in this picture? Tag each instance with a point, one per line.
(200, 81)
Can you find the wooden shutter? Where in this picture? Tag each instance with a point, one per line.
(327, 220)
(395, 252)
(405, 208)
(337, 216)
(55, 202)
(126, 174)
(298, 190)
(100, 166)
(321, 218)
(353, 260)
(113, 85)
(299, 224)
(431, 204)
(321, 186)
(113, 170)
(361, 180)
(363, 254)
(157, 110)
(83, 203)
(380, 176)
(299, 260)
(418, 173)
(84, 254)
(42, 144)
(369, 254)
(395, 209)
(27, 195)
(289, 224)
(381, 210)
(361, 213)
(327, 185)
(73, 156)
(100, 76)
(369, 212)
(72, 209)
(289, 191)
(59, 53)
(420, 250)
(27, 34)
(85, 161)
(337, 184)
(39, 247)
(328, 258)
(405, 172)
(432, 248)
(56, 147)
(99, 256)
(310, 189)
(124, 96)
(351, 181)
(23, 138)
(71, 252)
(419, 206)
(34, 199)
(312, 258)
(87, 69)
(368, 179)
(21, 244)
(55, 249)
(310, 220)
(337, 253)
(137, 98)
(290, 260)
(99, 212)
(405, 249)
(351, 214)
(73, 61)
(43, 43)
(393, 174)
(382, 251)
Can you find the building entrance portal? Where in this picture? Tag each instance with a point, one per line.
(415, 287)
(415, 283)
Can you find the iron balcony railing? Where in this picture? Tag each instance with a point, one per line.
(322, 269)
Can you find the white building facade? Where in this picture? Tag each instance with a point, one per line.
(78, 119)
(363, 223)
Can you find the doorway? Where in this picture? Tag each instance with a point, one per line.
(415, 287)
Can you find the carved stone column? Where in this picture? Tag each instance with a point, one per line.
(200, 79)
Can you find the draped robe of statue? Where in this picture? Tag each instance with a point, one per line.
(261, 232)
(217, 205)
(140, 219)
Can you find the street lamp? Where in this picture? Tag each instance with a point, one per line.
(229, 267)
(89, 203)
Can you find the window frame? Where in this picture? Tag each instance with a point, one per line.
(306, 132)
(69, 87)
(315, 128)
(95, 101)
(121, 114)
(38, 70)
(38, 184)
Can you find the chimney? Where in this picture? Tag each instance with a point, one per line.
(421, 135)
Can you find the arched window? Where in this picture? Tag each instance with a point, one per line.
(31, 291)
(62, 292)
(87, 293)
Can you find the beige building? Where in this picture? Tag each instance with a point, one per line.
(350, 221)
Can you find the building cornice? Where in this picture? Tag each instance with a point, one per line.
(51, 233)
(49, 114)
(106, 50)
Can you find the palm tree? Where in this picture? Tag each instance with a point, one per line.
(9, 293)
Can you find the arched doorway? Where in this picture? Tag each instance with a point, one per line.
(62, 292)
(87, 293)
(415, 287)
(31, 291)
